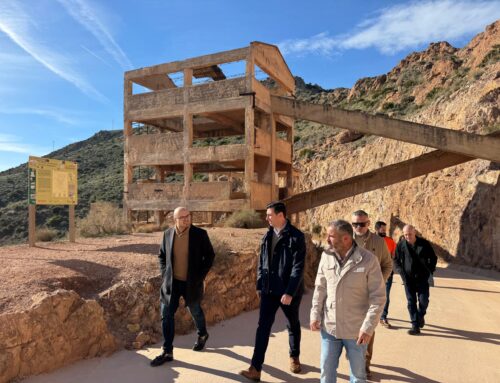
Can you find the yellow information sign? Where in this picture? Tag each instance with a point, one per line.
(52, 182)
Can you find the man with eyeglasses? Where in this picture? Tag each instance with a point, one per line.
(186, 255)
(376, 245)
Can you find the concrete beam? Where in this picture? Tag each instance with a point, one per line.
(376, 179)
(474, 145)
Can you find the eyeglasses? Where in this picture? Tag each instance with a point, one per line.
(184, 217)
(359, 224)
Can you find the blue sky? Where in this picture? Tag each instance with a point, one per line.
(62, 61)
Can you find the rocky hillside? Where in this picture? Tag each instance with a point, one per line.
(456, 208)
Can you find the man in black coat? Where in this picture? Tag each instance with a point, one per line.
(186, 256)
(280, 283)
(415, 261)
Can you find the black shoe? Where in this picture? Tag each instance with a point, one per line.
(368, 372)
(200, 343)
(162, 358)
(421, 322)
(414, 331)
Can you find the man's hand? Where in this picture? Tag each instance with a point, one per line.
(286, 299)
(363, 338)
(315, 325)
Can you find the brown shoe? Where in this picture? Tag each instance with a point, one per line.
(251, 374)
(295, 365)
(385, 323)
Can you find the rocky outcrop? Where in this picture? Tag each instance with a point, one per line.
(59, 329)
(456, 208)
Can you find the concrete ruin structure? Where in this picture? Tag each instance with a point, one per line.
(217, 137)
(185, 121)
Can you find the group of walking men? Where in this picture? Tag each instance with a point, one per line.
(350, 298)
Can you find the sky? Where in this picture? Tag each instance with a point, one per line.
(62, 61)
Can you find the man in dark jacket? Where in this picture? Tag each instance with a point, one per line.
(415, 261)
(280, 283)
(186, 256)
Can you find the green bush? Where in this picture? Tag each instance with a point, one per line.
(104, 218)
(306, 153)
(316, 229)
(245, 219)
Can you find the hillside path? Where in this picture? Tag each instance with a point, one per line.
(459, 343)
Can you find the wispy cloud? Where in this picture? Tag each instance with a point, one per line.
(405, 26)
(95, 55)
(84, 14)
(20, 28)
(13, 144)
(49, 113)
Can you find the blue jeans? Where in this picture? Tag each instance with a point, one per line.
(331, 349)
(168, 313)
(388, 286)
(269, 305)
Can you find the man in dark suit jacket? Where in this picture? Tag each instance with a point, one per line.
(280, 283)
(186, 256)
(415, 261)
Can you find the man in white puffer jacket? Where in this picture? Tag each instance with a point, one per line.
(348, 300)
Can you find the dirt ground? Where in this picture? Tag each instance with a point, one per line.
(90, 265)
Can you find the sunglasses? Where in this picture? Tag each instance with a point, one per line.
(359, 224)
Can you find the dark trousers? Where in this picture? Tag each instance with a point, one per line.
(417, 292)
(168, 313)
(269, 304)
(388, 286)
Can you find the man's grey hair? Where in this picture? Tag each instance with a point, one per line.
(342, 226)
(179, 209)
(360, 213)
(410, 228)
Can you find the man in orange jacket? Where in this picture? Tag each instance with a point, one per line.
(381, 229)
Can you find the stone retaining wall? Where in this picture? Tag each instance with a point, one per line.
(61, 327)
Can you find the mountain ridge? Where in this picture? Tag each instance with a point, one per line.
(442, 85)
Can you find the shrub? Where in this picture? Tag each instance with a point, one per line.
(306, 153)
(104, 218)
(45, 234)
(147, 228)
(433, 93)
(316, 229)
(246, 219)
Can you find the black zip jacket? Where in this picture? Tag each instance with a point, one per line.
(285, 274)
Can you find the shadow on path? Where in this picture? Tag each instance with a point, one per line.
(407, 375)
(452, 333)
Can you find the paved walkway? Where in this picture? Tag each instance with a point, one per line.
(458, 344)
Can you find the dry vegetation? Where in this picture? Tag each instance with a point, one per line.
(45, 234)
(104, 218)
(245, 219)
